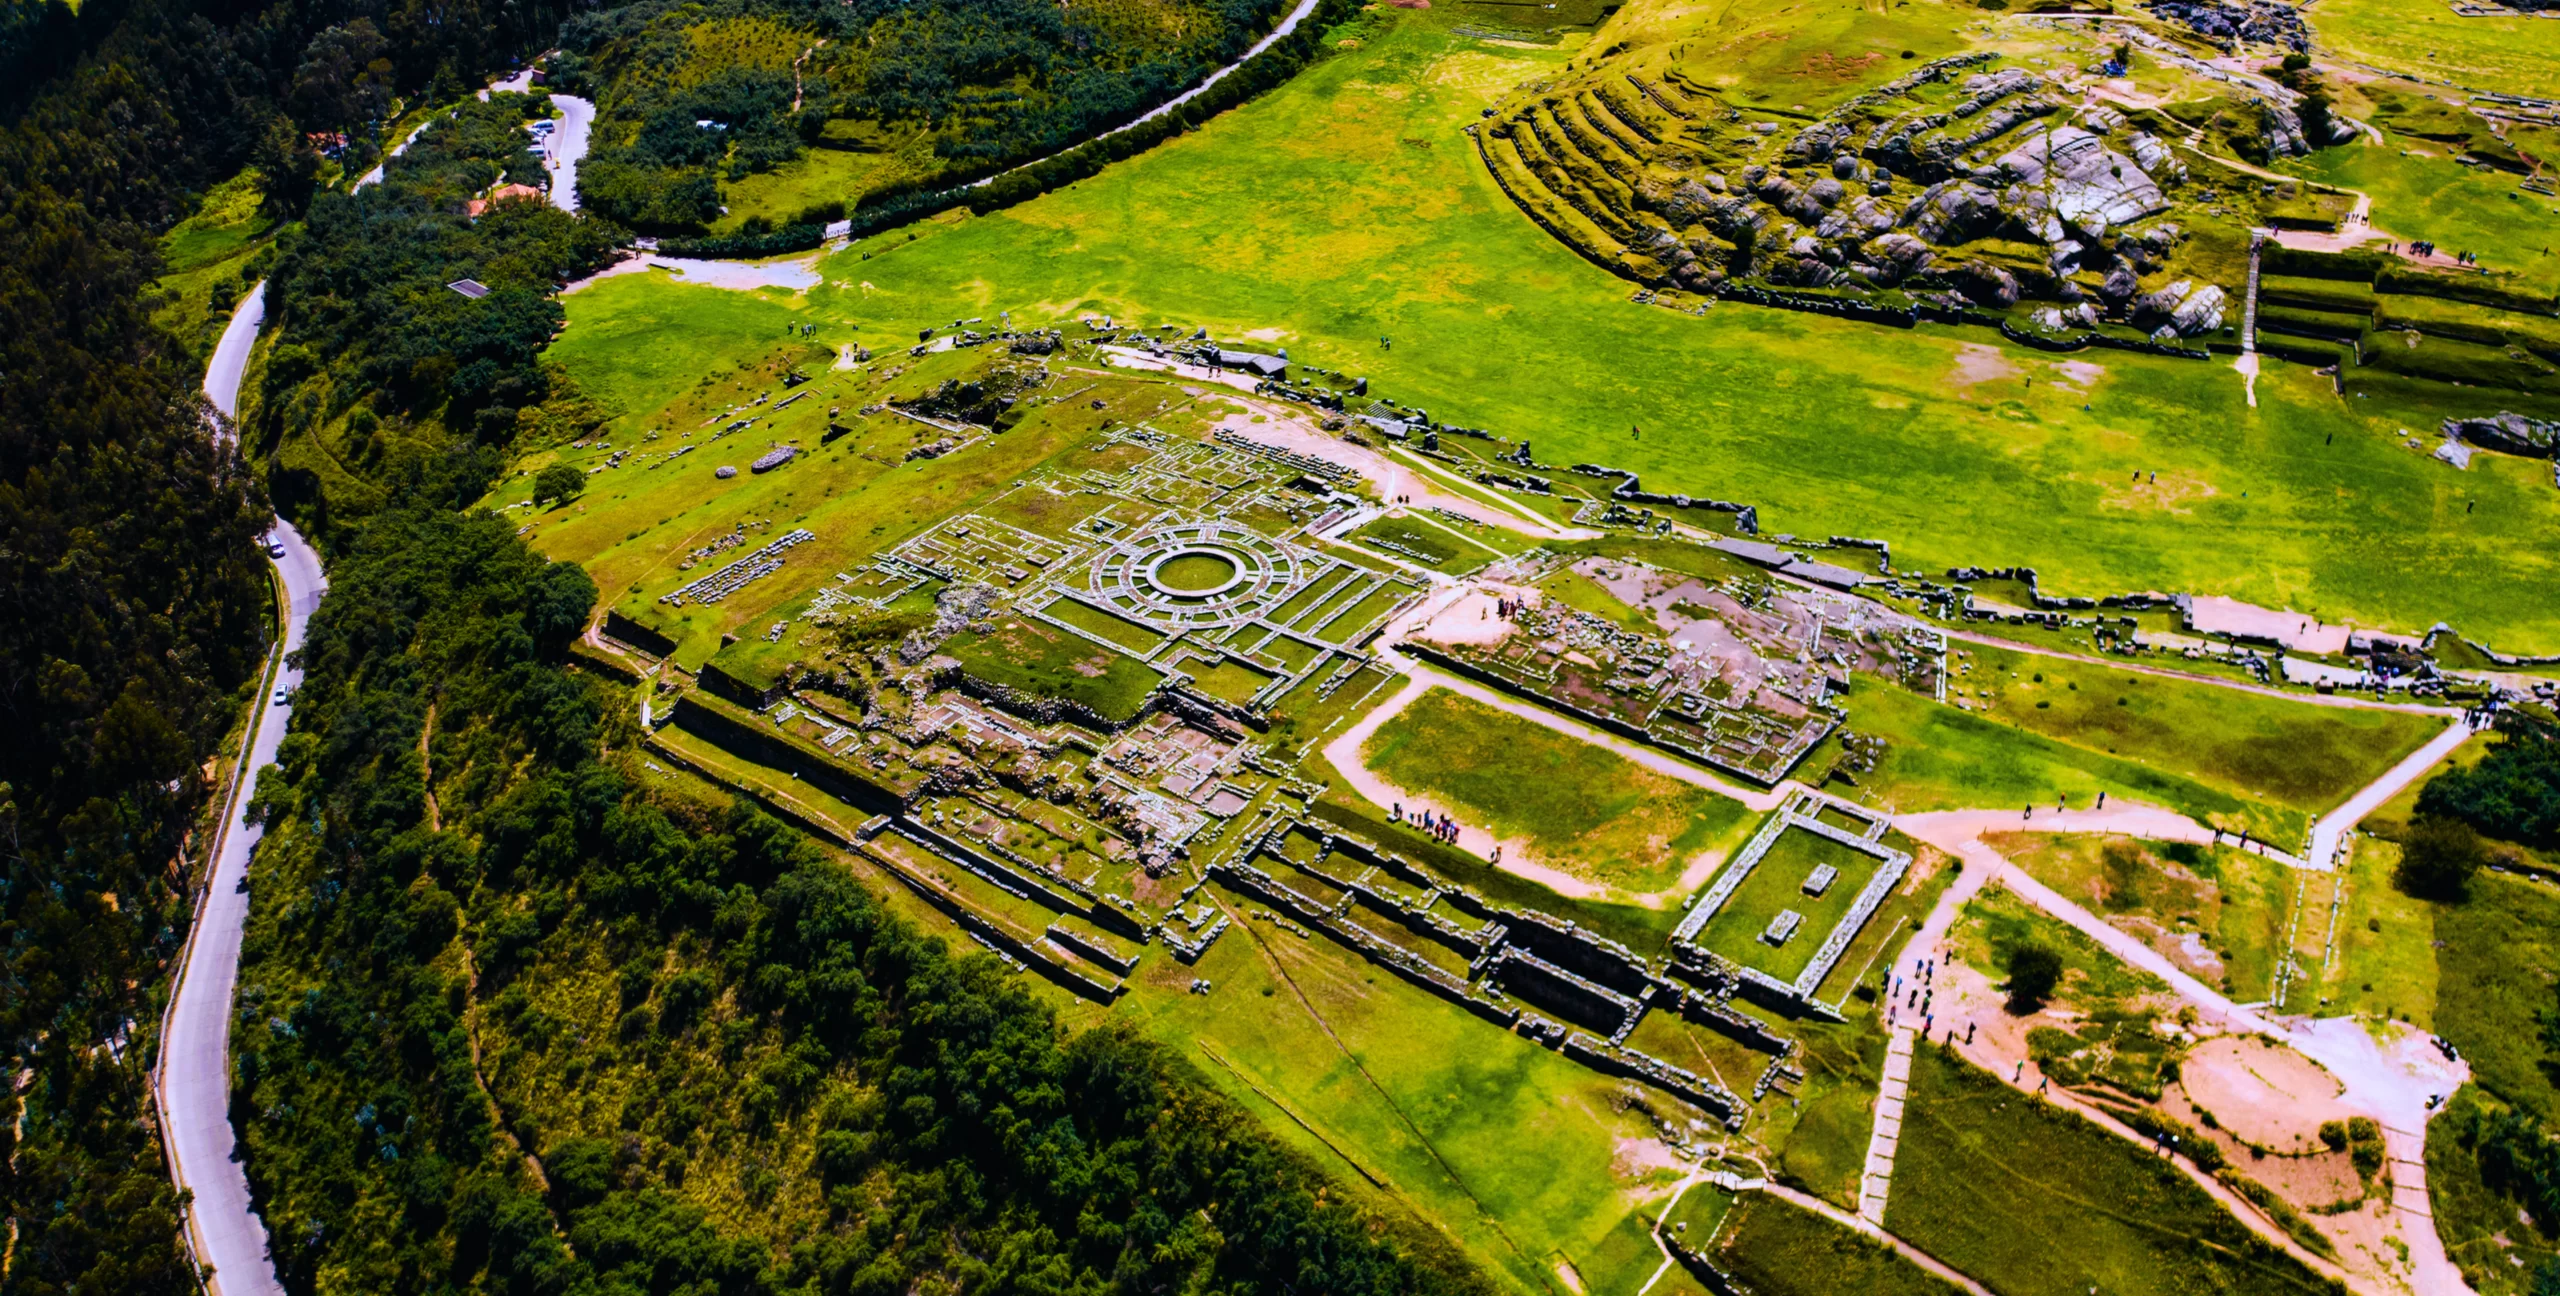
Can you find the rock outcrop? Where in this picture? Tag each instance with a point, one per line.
(2063, 179)
(2509, 433)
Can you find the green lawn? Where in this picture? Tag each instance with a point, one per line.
(2161, 891)
(2458, 208)
(1776, 884)
(2388, 965)
(1583, 809)
(2034, 1201)
(1348, 207)
(1941, 758)
(1781, 1250)
(2292, 755)
(2518, 55)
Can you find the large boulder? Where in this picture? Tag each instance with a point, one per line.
(1899, 256)
(1953, 212)
(2200, 313)
(2155, 158)
(2063, 178)
(2509, 432)
(2182, 307)
(2118, 288)
(2281, 129)
(1986, 284)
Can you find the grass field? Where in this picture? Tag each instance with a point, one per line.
(1348, 207)
(1941, 758)
(1583, 809)
(2459, 208)
(2162, 891)
(2518, 55)
(1024, 654)
(1777, 884)
(1780, 1250)
(2497, 956)
(2285, 754)
(2034, 1201)
(1519, 1153)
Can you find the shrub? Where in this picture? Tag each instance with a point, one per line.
(2438, 858)
(558, 482)
(2034, 972)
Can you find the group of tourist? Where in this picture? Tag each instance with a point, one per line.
(1442, 828)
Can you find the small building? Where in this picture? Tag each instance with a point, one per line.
(503, 193)
(471, 288)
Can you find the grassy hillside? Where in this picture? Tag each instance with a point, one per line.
(1347, 208)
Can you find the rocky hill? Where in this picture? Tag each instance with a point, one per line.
(1981, 177)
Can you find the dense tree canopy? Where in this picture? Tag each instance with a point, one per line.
(2513, 793)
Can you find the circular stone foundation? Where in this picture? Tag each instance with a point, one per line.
(1194, 576)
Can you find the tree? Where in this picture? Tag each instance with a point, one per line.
(2034, 971)
(2438, 858)
(558, 482)
(2512, 794)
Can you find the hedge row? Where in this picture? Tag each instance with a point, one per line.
(789, 238)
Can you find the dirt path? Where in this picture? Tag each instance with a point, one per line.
(2132, 818)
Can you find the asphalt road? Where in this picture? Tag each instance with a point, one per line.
(195, 1059)
(231, 354)
(568, 144)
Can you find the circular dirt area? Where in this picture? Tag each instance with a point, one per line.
(1195, 572)
(2264, 1093)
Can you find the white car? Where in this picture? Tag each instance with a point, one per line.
(284, 697)
(275, 548)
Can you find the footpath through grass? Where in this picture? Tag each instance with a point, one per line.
(1347, 214)
(1781, 1250)
(2034, 1201)
(1584, 809)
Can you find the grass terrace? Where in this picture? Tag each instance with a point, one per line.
(1024, 654)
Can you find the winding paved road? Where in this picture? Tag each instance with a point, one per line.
(195, 1050)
